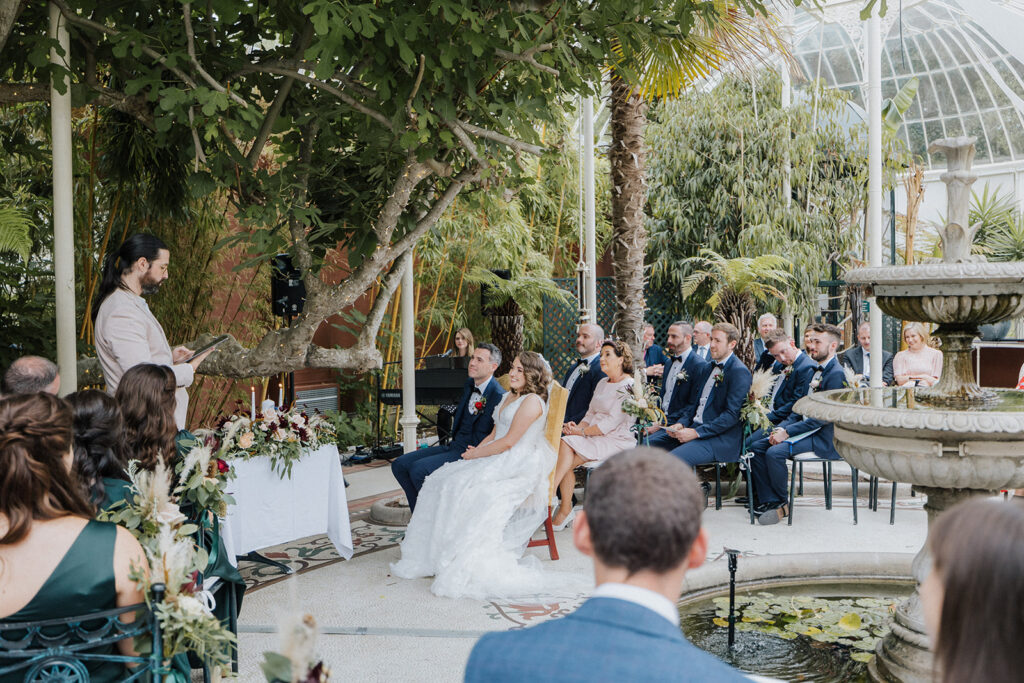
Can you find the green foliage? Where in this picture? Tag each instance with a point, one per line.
(716, 172)
(754, 277)
(15, 231)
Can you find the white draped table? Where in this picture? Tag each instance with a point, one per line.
(271, 510)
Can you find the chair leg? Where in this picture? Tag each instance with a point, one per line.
(586, 482)
(856, 476)
(792, 488)
(801, 491)
(718, 486)
(892, 506)
(828, 485)
(824, 480)
(750, 493)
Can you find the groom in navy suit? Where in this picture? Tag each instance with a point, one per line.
(583, 377)
(628, 630)
(711, 427)
(681, 371)
(473, 422)
(797, 434)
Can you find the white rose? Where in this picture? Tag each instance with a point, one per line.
(191, 607)
(169, 513)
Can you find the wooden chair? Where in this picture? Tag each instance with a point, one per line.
(558, 396)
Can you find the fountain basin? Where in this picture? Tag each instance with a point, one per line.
(889, 433)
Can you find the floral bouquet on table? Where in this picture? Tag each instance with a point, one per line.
(296, 662)
(642, 402)
(152, 515)
(280, 435)
(755, 409)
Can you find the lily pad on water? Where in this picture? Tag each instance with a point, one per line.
(862, 656)
(850, 621)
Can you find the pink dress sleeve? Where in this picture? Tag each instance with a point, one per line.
(937, 363)
(899, 363)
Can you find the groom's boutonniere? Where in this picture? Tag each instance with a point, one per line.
(480, 404)
(681, 376)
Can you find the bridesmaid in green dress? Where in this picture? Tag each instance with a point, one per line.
(99, 442)
(146, 397)
(55, 560)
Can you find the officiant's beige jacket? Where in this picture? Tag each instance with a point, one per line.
(128, 334)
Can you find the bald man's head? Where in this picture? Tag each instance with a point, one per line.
(588, 339)
(30, 375)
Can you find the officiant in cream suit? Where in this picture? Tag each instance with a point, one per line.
(127, 333)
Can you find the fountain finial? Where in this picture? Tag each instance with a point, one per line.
(957, 235)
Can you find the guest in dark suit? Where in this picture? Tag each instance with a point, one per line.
(654, 355)
(585, 374)
(763, 359)
(795, 369)
(858, 358)
(473, 422)
(679, 388)
(768, 467)
(711, 428)
(702, 340)
(628, 630)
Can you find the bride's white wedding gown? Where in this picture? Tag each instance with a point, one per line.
(474, 518)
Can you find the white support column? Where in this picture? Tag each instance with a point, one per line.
(875, 182)
(787, 169)
(409, 420)
(589, 201)
(63, 213)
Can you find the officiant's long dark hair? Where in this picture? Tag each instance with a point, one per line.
(119, 262)
(536, 373)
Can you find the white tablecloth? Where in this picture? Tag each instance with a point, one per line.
(269, 510)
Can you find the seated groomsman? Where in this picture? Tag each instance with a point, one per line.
(702, 340)
(858, 358)
(768, 467)
(763, 359)
(654, 357)
(585, 374)
(711, 430)
(677, 389)
(628, 629)
(473, 421)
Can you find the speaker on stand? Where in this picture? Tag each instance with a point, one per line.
(287, 297)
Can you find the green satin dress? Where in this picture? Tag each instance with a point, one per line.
(114, 491)
(83, 582)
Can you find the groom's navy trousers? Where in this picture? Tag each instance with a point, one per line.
(468, 429)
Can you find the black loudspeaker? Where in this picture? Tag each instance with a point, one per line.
(287, 290)
(485, 302)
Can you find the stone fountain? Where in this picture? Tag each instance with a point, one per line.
(953, 440)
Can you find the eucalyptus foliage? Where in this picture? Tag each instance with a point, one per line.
(716, 173)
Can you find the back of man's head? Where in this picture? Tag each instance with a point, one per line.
(643, 510)
(30, 375)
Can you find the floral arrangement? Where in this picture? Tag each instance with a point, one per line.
(280, 435)
(296, 662)
(852, 378)
(755, 409)
(203, 478)
(682, 376)
(720, 377)
(152, 515)
(642, 401)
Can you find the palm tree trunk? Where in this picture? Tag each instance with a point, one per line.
(629, 195)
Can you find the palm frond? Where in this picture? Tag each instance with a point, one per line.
(15, 231)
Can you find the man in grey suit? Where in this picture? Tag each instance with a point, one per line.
(127, 333)
(629, 629)
(858, 358)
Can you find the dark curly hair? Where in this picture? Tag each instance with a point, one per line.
(146, 396)
(622, 350)
(35, 484)
(537, 374)
(99, 440)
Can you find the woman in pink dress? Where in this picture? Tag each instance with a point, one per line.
(604, 430)
(919, 364)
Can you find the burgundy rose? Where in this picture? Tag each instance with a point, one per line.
(222, 466)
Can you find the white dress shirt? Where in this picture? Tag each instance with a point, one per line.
(708, 386)
(656, 602)
(579, 370)
(480, 388)
(670, 378)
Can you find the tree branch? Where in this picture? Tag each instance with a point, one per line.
(468, 175)
(135, 106)
(460, 134)
(517, 145)
(186, 13)
(528, 57)
(415, 89)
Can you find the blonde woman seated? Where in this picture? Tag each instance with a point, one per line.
(604, 430)
(920, 364)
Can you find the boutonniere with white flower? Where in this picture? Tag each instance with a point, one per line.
(681, 376)
(815, 382)
(584, 368)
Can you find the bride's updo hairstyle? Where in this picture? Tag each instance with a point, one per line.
(622, 350)
(536, 373)
(35, 481)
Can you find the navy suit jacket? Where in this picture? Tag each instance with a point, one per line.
(686, 391)
(581, 393)
(468, 429)
(606, 639)
(821, 441)
(722, 411)
(794, 387)
(764, 360)
(853, 358)
(654, 355)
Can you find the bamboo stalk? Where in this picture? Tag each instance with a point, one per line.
(433, 299)
(458, 297)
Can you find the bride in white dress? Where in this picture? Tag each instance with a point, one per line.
(475, 516)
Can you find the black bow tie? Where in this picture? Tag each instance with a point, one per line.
(676, 359)
(582, 361)
(821, 368)
(716, 364)
(476, 390)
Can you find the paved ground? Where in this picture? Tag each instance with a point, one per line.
(379, 628)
